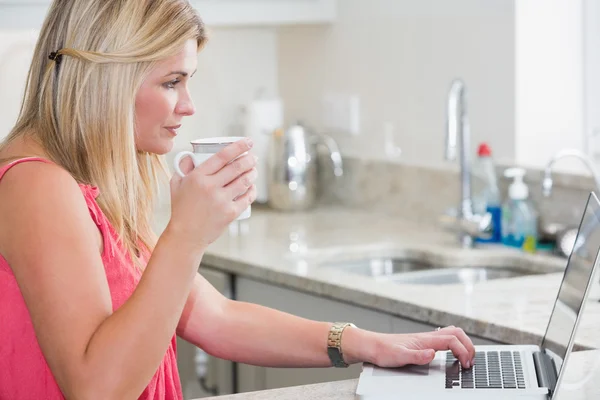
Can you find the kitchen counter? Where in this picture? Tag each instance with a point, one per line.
(289, 250)
(580, 383)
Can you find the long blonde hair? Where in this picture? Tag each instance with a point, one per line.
(80, 106)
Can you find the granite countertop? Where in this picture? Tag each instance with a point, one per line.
(289, 249)
(580, 383)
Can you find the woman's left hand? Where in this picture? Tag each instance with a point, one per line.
(396, 350)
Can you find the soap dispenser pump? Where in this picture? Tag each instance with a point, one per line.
(519, 218)
(517, 190)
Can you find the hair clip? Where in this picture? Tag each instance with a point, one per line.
(56, 57)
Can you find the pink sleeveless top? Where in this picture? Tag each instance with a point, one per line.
(24, 373)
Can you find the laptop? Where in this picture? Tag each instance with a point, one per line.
(504, 371)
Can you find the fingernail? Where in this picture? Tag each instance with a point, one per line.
(250, 142)
(468, 365)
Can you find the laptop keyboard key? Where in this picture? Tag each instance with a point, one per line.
(492, 370)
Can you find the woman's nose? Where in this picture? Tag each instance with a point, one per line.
(185, 106)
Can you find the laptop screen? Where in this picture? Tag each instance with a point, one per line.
(580, 267)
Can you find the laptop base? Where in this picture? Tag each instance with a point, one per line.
(430, 381)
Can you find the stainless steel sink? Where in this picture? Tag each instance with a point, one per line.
(415, 271)
(469, 275)
(380, 266)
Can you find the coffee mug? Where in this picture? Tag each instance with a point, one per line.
(203, 150)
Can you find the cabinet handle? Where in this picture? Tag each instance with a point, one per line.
(203, 363)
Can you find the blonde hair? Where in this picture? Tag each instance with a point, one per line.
(80, 106)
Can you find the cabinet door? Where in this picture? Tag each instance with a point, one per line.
(30, 14)
(307, 306)
(265, 12)
(191, 361)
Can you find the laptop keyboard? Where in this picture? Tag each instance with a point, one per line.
(492, 370)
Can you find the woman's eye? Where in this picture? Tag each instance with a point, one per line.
(171, 84)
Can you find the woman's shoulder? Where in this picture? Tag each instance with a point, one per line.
(43, 198)
(31, 181)
(33, 172)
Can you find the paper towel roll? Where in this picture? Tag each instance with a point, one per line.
(262, 118)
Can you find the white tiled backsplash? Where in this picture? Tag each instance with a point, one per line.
(234, 66)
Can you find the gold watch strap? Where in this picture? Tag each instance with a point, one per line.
(334, 343)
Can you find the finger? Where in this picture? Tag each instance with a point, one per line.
(215, 163)
(462, 336)
(186, 165)
(416, 357)
(236, 169)
(448, 342)
(241, 185)
(245, 200)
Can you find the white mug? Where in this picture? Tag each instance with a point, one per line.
(203, 150)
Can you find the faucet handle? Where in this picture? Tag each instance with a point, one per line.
(334, 154)
(475, 225)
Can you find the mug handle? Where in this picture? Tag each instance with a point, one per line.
(180, 156)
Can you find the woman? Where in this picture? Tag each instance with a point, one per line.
(90, 300)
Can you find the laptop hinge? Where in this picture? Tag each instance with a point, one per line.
(545, 370)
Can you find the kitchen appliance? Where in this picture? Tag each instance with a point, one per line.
(292, 167)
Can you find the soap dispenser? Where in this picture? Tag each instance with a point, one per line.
(519, 217)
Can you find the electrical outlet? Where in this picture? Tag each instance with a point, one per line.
(341, 113)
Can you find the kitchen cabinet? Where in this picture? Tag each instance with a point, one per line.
(314, 307)
(307, 306)
(265, 12)
(29, 14)
(202, 375)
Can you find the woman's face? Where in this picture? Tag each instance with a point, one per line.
(163, 100)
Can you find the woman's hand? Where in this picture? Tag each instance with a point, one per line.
(396, 350)
(212, 195)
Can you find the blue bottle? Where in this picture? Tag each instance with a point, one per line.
(486, 196)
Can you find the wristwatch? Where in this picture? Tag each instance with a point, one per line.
(334, 343)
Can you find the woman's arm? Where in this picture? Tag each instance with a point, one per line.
(52, 248)
(258, 335)
(51, 244)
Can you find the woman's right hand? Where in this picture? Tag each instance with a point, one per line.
(212, 195)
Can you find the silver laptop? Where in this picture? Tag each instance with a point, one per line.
(504, 371)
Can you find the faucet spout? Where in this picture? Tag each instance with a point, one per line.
(467, 223)
(456, 117)
(547, 182)
(458, 130)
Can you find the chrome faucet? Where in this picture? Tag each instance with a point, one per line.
(468, 224)
(579, 239)
(547, 182)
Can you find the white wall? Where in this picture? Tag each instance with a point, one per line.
(591, 11)
(549, 113)
(235, 65)
(531, 70)
(399, 57)
(16, 50)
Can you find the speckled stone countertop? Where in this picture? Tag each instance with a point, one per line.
(290, 250)
(580, 383)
